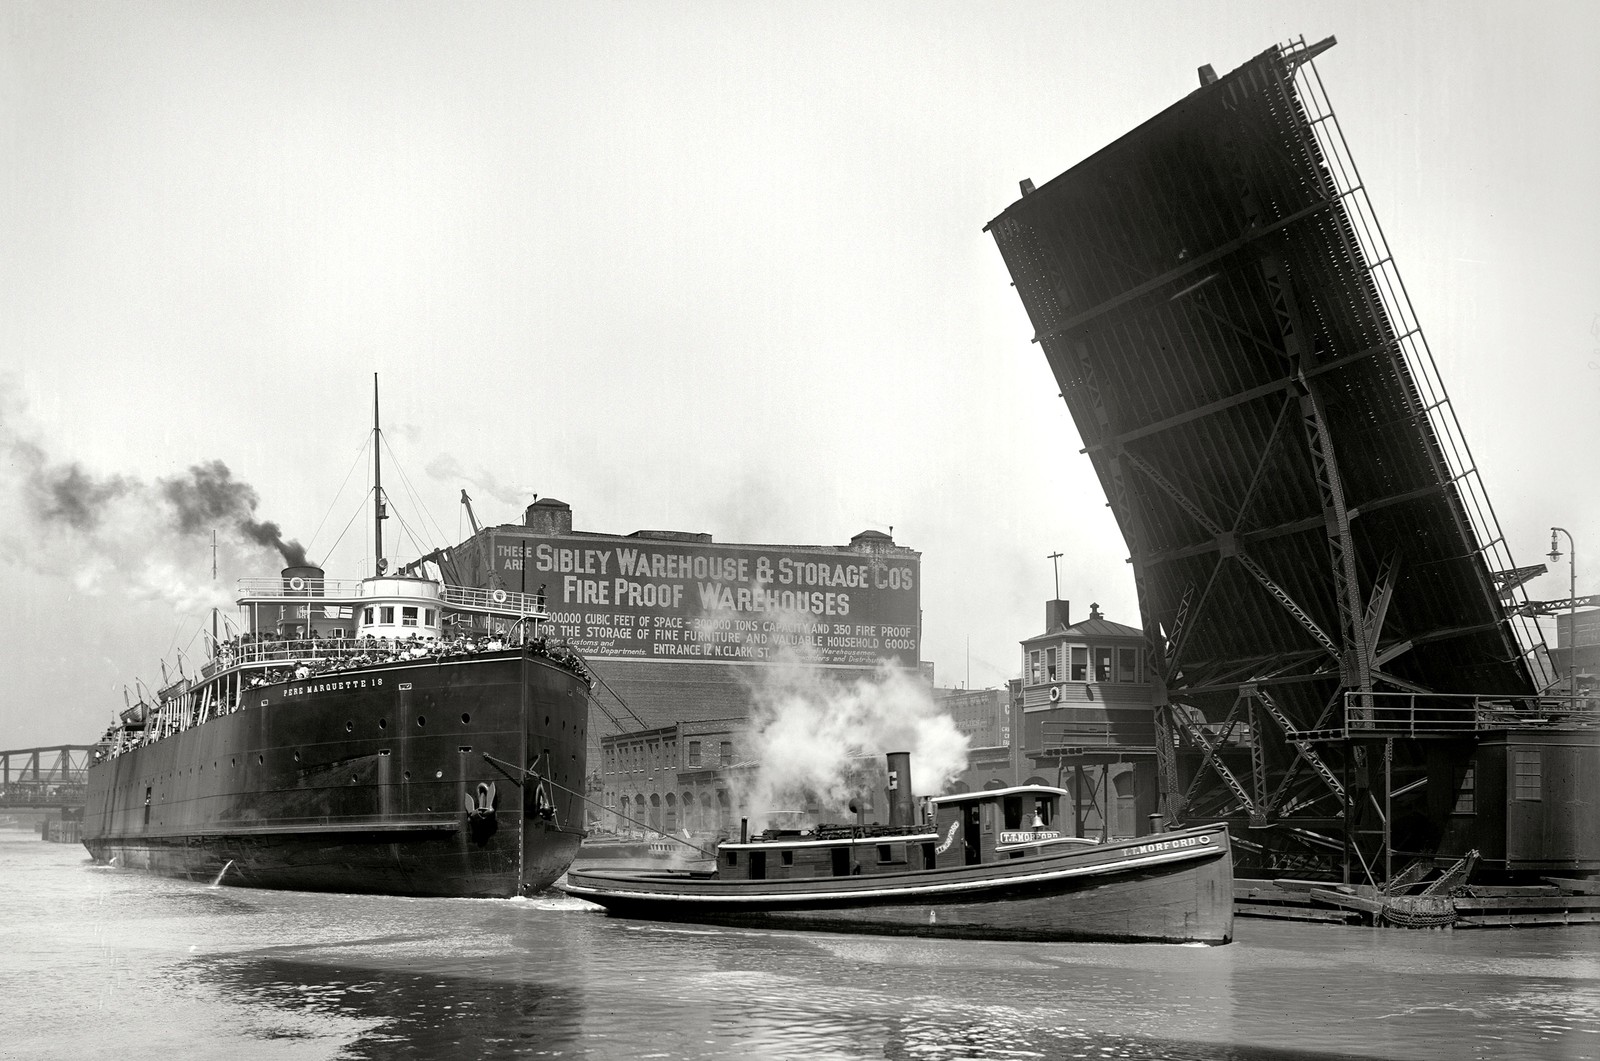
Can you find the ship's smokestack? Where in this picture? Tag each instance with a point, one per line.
(902, 802)
(303, 580)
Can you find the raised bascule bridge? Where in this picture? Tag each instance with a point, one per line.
(1345, 665)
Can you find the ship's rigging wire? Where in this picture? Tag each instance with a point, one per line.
(361, 451)
(589, 666)
(553, 783)
(416, 499)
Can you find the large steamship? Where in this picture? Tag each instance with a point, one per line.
(391, 734)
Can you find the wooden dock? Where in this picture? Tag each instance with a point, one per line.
(1556, 901)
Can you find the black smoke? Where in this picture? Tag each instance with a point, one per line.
(209, 495)
(65, 493)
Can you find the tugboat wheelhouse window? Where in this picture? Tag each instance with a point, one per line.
(386, 615)
(408, 616)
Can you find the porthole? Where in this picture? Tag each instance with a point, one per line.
(406, 776)
(465, 718)
(547, 722)
(383, 723)
(296, 756)
(261, 760)
(349, 727)
(233, 762)
(438, 773)
(422, 720)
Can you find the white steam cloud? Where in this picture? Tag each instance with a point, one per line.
(822, 741)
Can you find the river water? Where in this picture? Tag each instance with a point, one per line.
(107, 963)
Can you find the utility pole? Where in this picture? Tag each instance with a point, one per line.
(1572, 605)
(1055, 562)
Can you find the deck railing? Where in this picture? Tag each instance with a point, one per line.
(1401, 714)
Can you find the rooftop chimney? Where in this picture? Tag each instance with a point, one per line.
(1057, 615)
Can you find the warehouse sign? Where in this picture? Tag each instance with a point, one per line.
(668, 600)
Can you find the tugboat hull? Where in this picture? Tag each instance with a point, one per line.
(1172, 888)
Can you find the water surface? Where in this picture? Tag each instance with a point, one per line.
(107, 963)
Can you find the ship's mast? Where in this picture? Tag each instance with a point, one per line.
(377, 484)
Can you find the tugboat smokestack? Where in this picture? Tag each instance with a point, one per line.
(902, 802)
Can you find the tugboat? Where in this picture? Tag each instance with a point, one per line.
(351, 739)
(982, 865)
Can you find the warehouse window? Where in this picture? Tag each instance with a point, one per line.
(694, 753)
(1528, 781)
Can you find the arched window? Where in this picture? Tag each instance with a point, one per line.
(655, 811)
(690, 819)
(669, 820)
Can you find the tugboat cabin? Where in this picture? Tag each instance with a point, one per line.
(967, 829)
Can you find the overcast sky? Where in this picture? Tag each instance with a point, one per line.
(710, 267)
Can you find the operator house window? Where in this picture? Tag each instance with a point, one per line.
(408, 617)
(1102, 664)
(386, 615)
(1465, 786)
(1050, 663)
(1033, 668)
(1080, 663)
(1127, 664)
(1528, 775)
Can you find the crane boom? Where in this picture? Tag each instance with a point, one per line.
(467, 503)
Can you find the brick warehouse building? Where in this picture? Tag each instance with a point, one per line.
(680, 628)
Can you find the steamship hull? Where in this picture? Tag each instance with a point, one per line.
(1169, 888)
(452, 776)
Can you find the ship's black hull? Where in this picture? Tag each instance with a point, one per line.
(405, 779)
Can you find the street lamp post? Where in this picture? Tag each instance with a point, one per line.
(1572, 604)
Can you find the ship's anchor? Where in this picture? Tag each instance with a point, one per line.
(544, 807)
(481, 819)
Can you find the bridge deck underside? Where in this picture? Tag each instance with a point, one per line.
(1293, 520)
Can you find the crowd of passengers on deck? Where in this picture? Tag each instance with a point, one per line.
(315, 656)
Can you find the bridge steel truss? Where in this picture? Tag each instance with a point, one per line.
(44, 777)
(1303, 518)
